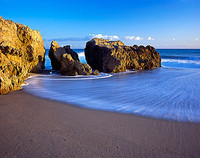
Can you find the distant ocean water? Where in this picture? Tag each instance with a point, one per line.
(182, 58)
(171, 92)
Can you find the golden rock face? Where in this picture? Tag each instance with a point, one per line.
(114, 56)
(21, 51)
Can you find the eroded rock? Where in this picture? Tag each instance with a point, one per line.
(56, 53)
(21, 51)
(114, 56)
(67, 61)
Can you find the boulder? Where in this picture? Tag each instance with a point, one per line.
(66, 61)
(56, 53)
(96, 72)
(114, 56)
(21, 51)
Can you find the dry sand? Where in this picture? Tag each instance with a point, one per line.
(35, 127)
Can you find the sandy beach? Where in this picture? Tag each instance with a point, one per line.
(35, 127)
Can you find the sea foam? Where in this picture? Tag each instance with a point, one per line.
(181, 61)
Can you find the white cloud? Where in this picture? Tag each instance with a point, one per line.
(133, 38)
(115, 37)
(98, 36)
(138, 38)
(196, 39)
(150, 38)
(129, 37)
(173, 39)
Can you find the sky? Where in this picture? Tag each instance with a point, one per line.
(160, 23)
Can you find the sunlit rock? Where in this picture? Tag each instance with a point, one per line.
(67, 61)
(114, 56)
(21, 51)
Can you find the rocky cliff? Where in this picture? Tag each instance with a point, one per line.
(66, 61)
(114, 56)
(21, 51)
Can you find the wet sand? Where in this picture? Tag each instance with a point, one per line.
(35, 127)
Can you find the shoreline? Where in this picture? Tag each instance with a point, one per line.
(37, 127)
(109, 111)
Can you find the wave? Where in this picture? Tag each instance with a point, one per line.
(164, 93)
(180, 57)
(82, 54)
(65, 78)
(181, 61)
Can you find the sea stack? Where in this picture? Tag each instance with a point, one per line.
(114, 56)
(65, 60)
(21, 51)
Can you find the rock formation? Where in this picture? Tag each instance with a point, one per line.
(21, 51)
(67, 61)
(114, 56)
(56, 52)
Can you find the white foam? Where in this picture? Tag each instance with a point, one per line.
(181, 61)
(64, 78)
(24, 84)
(82, 54)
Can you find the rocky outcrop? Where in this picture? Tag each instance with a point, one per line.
(66, 61)
(21, 51)
(114, 56)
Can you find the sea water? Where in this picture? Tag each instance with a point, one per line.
(171, 92)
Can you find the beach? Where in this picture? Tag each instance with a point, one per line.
(100, 79)
(36, 127)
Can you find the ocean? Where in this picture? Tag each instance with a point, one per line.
(171, 92)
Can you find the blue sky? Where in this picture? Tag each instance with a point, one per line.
(161, 23)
